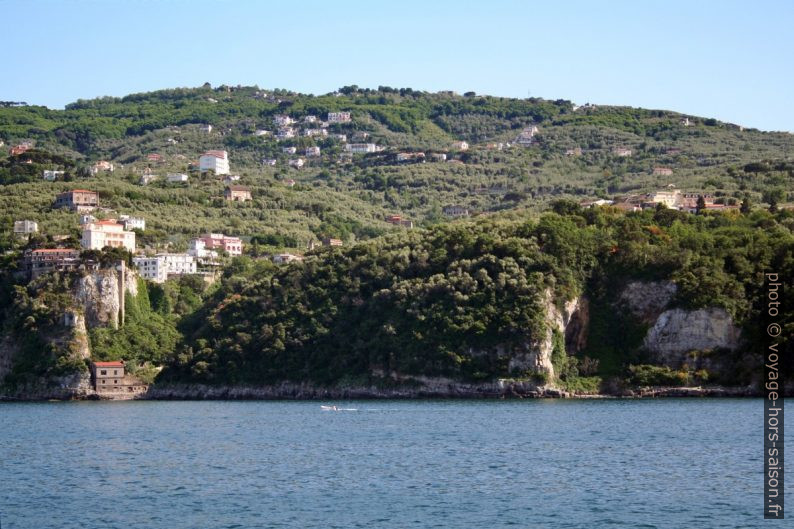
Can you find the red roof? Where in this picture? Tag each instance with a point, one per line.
(53, 250)
(109, 364)
(216, 154)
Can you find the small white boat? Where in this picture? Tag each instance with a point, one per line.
(329, 408)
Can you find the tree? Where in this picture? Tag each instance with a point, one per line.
(746, 205)
(701, 204)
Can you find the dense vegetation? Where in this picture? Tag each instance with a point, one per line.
(458, 300)
(451, 299)
(349, 199)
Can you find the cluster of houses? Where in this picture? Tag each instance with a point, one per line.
(671, 198)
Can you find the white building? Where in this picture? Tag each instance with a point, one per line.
(289, 150)
(270, 161)
(340, 137)
(51, 176)
(312, 151)
(339, 117)
(262, 132)
(25, 227)
(163, 265)
(285, 133)
(101, 233)
(527, 136)
(361, 148)
(297, 163)
(206, 128)
(86, 219)
(133, 223)
(283, 258)
(198, 249)
(460, 146)
(310, 119)
(217, 161)
(456, 211)
(315, 132)
(282, 120)
(177, 177)
(147, 178)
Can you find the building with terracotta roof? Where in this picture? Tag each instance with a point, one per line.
(237, 193)
(111, 380)
(45, 260)
(216, 161)
(102, 233)
(77, 200)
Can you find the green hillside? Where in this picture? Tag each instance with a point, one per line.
(349, 198)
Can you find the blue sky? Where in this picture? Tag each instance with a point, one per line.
(724, 59)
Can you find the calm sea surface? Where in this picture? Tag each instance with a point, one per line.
(691, 463)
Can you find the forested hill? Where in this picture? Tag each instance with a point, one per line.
(575, 152)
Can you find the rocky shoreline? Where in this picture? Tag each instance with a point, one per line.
(446, 390)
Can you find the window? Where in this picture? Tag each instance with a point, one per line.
(103, 372)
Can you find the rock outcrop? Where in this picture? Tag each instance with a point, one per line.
(646, 300)
(571, 320)
(97, 294)
(677, 332)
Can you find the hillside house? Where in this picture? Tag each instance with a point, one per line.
(101, 233)
(455, 211)
(102, 166)
(284, 258)
(165, 265)
(206, 128)
(312, 152)
(342, 138)
(86, 219)
(289, 150)
(51, 176)
(403, 157)
(285, 133)
(662, 171)
(460, 146)
(177, 178)
(218, 241)
(16, 150)
(322, 133)
(24, 228)
(154, 157)
(216, 161)
(77, 200)
(45, 260)
(329, 241)
(297, 163)
(361, 148)
(397, 220)
(438, 157)
(237, 193)
(262, 132)
(147, 178)
(339, 117)
(685, 122)
(668, 197)
(282, 120)
(527, 136)
(133, 223)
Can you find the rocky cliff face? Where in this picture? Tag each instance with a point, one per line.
(97, 294)
(571, 320)
(678, 332)
(674, 334)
